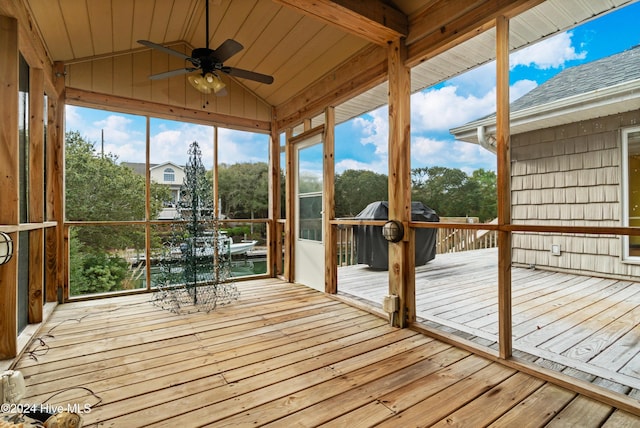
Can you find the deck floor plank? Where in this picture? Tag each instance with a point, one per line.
(590, 412)
(283, 355)
(353, 399)
(438, 404)
(279, 408)
(539, 408)
(180, 359)
(590, 324)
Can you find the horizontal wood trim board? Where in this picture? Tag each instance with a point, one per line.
(128, 105)
(313, 132)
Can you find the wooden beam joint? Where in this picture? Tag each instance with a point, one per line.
(372, 20)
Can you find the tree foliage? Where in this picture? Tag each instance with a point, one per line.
(449, 191)
(243, 189)
(355, 189)
(487, 194)
(94, 272)
(453, 193)
(99, 189)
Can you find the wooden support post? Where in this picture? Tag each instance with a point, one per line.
(401, 262)
(9, 182)
(55, 189)
(289, 233)
(329, 204)
(36, 193)
(147, 203)
(503, 149)
(53, 195)
(215, 174)
(275, 241)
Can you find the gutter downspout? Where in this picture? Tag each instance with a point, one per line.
(486, 141)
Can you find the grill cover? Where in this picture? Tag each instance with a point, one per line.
(373, 249)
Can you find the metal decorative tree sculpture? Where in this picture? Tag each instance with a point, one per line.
(195, 274)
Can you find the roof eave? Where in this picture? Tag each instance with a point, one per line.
(601, 102)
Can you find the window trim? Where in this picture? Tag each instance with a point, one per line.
(624, 184)
(168, 171)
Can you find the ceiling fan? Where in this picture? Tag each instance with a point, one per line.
(209, 63)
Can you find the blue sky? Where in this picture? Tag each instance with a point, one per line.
(362, 142)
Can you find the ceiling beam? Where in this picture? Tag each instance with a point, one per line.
(434, 16)
(372, 20)
(120, 104)
(362, 72)
(457, 22)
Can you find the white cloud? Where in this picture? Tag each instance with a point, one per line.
(426, 150)
(442, 109)
(553, 52)
(520, 88)
(72, 118)
(479, 80)
(124, 136)
(118, 132)
(172, 144)
(238, 146)
(375, 130)
(451, 153)
(472, 95)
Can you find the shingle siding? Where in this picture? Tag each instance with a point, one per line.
(570, 175)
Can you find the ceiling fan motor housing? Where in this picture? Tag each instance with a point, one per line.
(206, 59)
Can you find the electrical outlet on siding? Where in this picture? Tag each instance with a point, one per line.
(555, 249)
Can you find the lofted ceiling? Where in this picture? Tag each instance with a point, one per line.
(277, 40)
(310, 47)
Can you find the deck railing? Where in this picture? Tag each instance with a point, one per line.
(452, 240)
(449, 240)
(347, 246)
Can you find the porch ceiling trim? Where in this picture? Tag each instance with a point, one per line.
(369, 68)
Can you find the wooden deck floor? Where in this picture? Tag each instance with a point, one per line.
(282, 355)
(584, 326)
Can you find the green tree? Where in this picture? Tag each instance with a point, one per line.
(449, 191)
(355, 189)
(243, 189)
(99, 189)
(487, 194)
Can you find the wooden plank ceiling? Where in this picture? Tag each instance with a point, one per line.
(326, 49)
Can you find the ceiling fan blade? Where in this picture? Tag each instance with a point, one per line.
(246, 74)
(172, 73)
(227, 49)
(163, 49)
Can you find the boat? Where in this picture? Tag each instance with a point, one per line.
(204, 246)
(203, 249)
(241, 247)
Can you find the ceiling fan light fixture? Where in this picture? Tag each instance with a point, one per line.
(214, 82)
(200, 83)
(208, 61)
